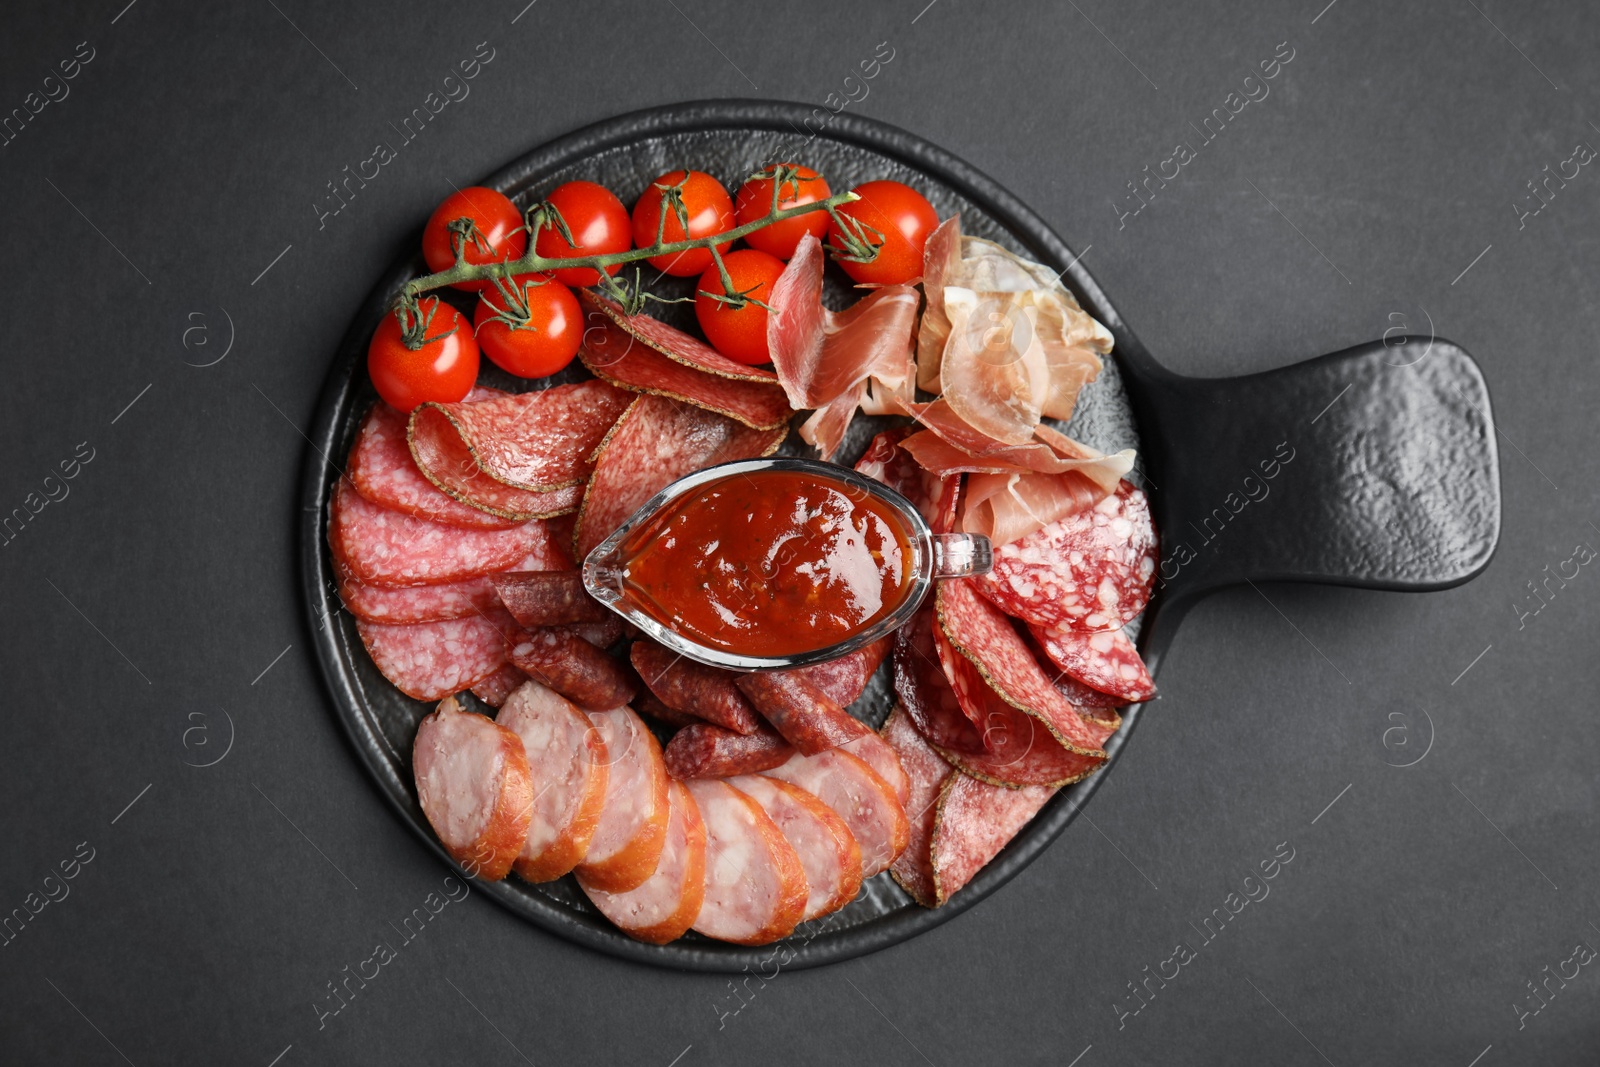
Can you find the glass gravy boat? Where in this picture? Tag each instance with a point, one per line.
(932, 556)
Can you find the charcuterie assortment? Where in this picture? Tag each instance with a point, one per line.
(685, 797)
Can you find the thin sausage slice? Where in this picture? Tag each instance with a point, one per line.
(571, 666)
(633, 820)
(666, 904)
(547, 598)
(755, 886)
(474, 787)
(708, 693)
(878, 754)
(827, 849)
(865, 802)
(568, 761)
(807, 717)
(701, 750)
(927, 771)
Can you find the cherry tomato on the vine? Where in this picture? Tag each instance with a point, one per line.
(496, 234)
(801, 185)
(598, 222)
(740, 333)
(548, 327)
(902, 216)
(707, 207)
(442, 366)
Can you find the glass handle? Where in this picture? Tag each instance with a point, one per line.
(961, 555)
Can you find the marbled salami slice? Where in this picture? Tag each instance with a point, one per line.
(432, 660)
(926, 771)
(1086, 699)
(924, 692)
(382, 470)
(673, 343)
(474, 787)
(494, 689)
(447, 463)
(974, 823)
(827, 851)
(383, 547)
(866, 803)
(755, 885)
(1107, 662)
(548, 598)
(668, 902)
(628, 839)
(569, 762)
(656, 442)
(418, 603)
(1090, 571)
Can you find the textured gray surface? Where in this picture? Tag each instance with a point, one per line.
(149, 600)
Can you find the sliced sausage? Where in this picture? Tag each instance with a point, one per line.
(547, 598)
(701, 750)
(878, 754)
(827, 849)
(696, 689)
(474, 787)
(633, 819)
(662, 908)
(927, 771)
(808, 718)
(647, 703)
(755, 886)
(571, 666)
(975, 821)
(865, 802)
(567, 760)
(844, 678)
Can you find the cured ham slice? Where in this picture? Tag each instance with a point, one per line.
(975, 821)
(844, 679)
(433, 660)
(755, 887)
(695, 689)
(1093, 570)
(941, 257)
(926, 771)
(1047, 452)
(667, 903)
(418, 603)
(1009, 507)
(474, 787)
(1107, 662)
(867, 804)
(656, 442)
(382, 470)
(623, 359)
(569, 762)
(701, 750)
(383, 547)
(498, 686)
(827, 851)
(632, 830)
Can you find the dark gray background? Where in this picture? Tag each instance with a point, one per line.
(163, 591)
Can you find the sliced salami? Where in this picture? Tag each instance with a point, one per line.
(418, 603)
(433, 660)
(693, 688)
(807, 717)
(447, 463)
(974, 823)
(1107, 662)
(568, 760)
(602, 634)
(538, 441)
(1091, 571)
(668, 902)
(383, 547)
(924, 692)
(755, 885)
(844, 679)
(827, 851)
(865, 802)
(548, 598)
(926, 772)
(1086, 699)
(474, 787)
(673, 343)
(382, 470)
(494, 689)
(701, 750)
(628, 839)
(656, 442)
(573, 667)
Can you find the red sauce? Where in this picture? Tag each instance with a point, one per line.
(771, 563)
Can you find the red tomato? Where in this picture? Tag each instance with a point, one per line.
(708, 208)
(805, 186)
(548, 328)
(740, 333)
(902, 216)
(598, 222)
(498, 232)
(434, 358)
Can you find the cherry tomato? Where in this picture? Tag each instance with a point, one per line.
(498, 231)
(441, 368)
(709, 211)
(549, 327)
(904, 218)
(598, 222)
(740, 333)
(806, 186)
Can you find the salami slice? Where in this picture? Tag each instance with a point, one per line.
(602, 634)
(984, 636)
(419, 603)
(383, 547)
(926, 771)
(569, 761)
(656, 442)
(474, 787)
(844, 679)
(827, 851)
(1085, 699)
(494, 689)
(974, 823)
(693, 688)
(1107, 662)
(628, 839)
(573, 667)
(806, 716)
(667, 903)
(673, 343)
(433, 660)
(755, 885)
(447, 464)
(924, 692)
(548, 598)
(701, 750)
(616, 356)
(886, 461)
(856, 793)
(382, 470)
(1090, 571)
